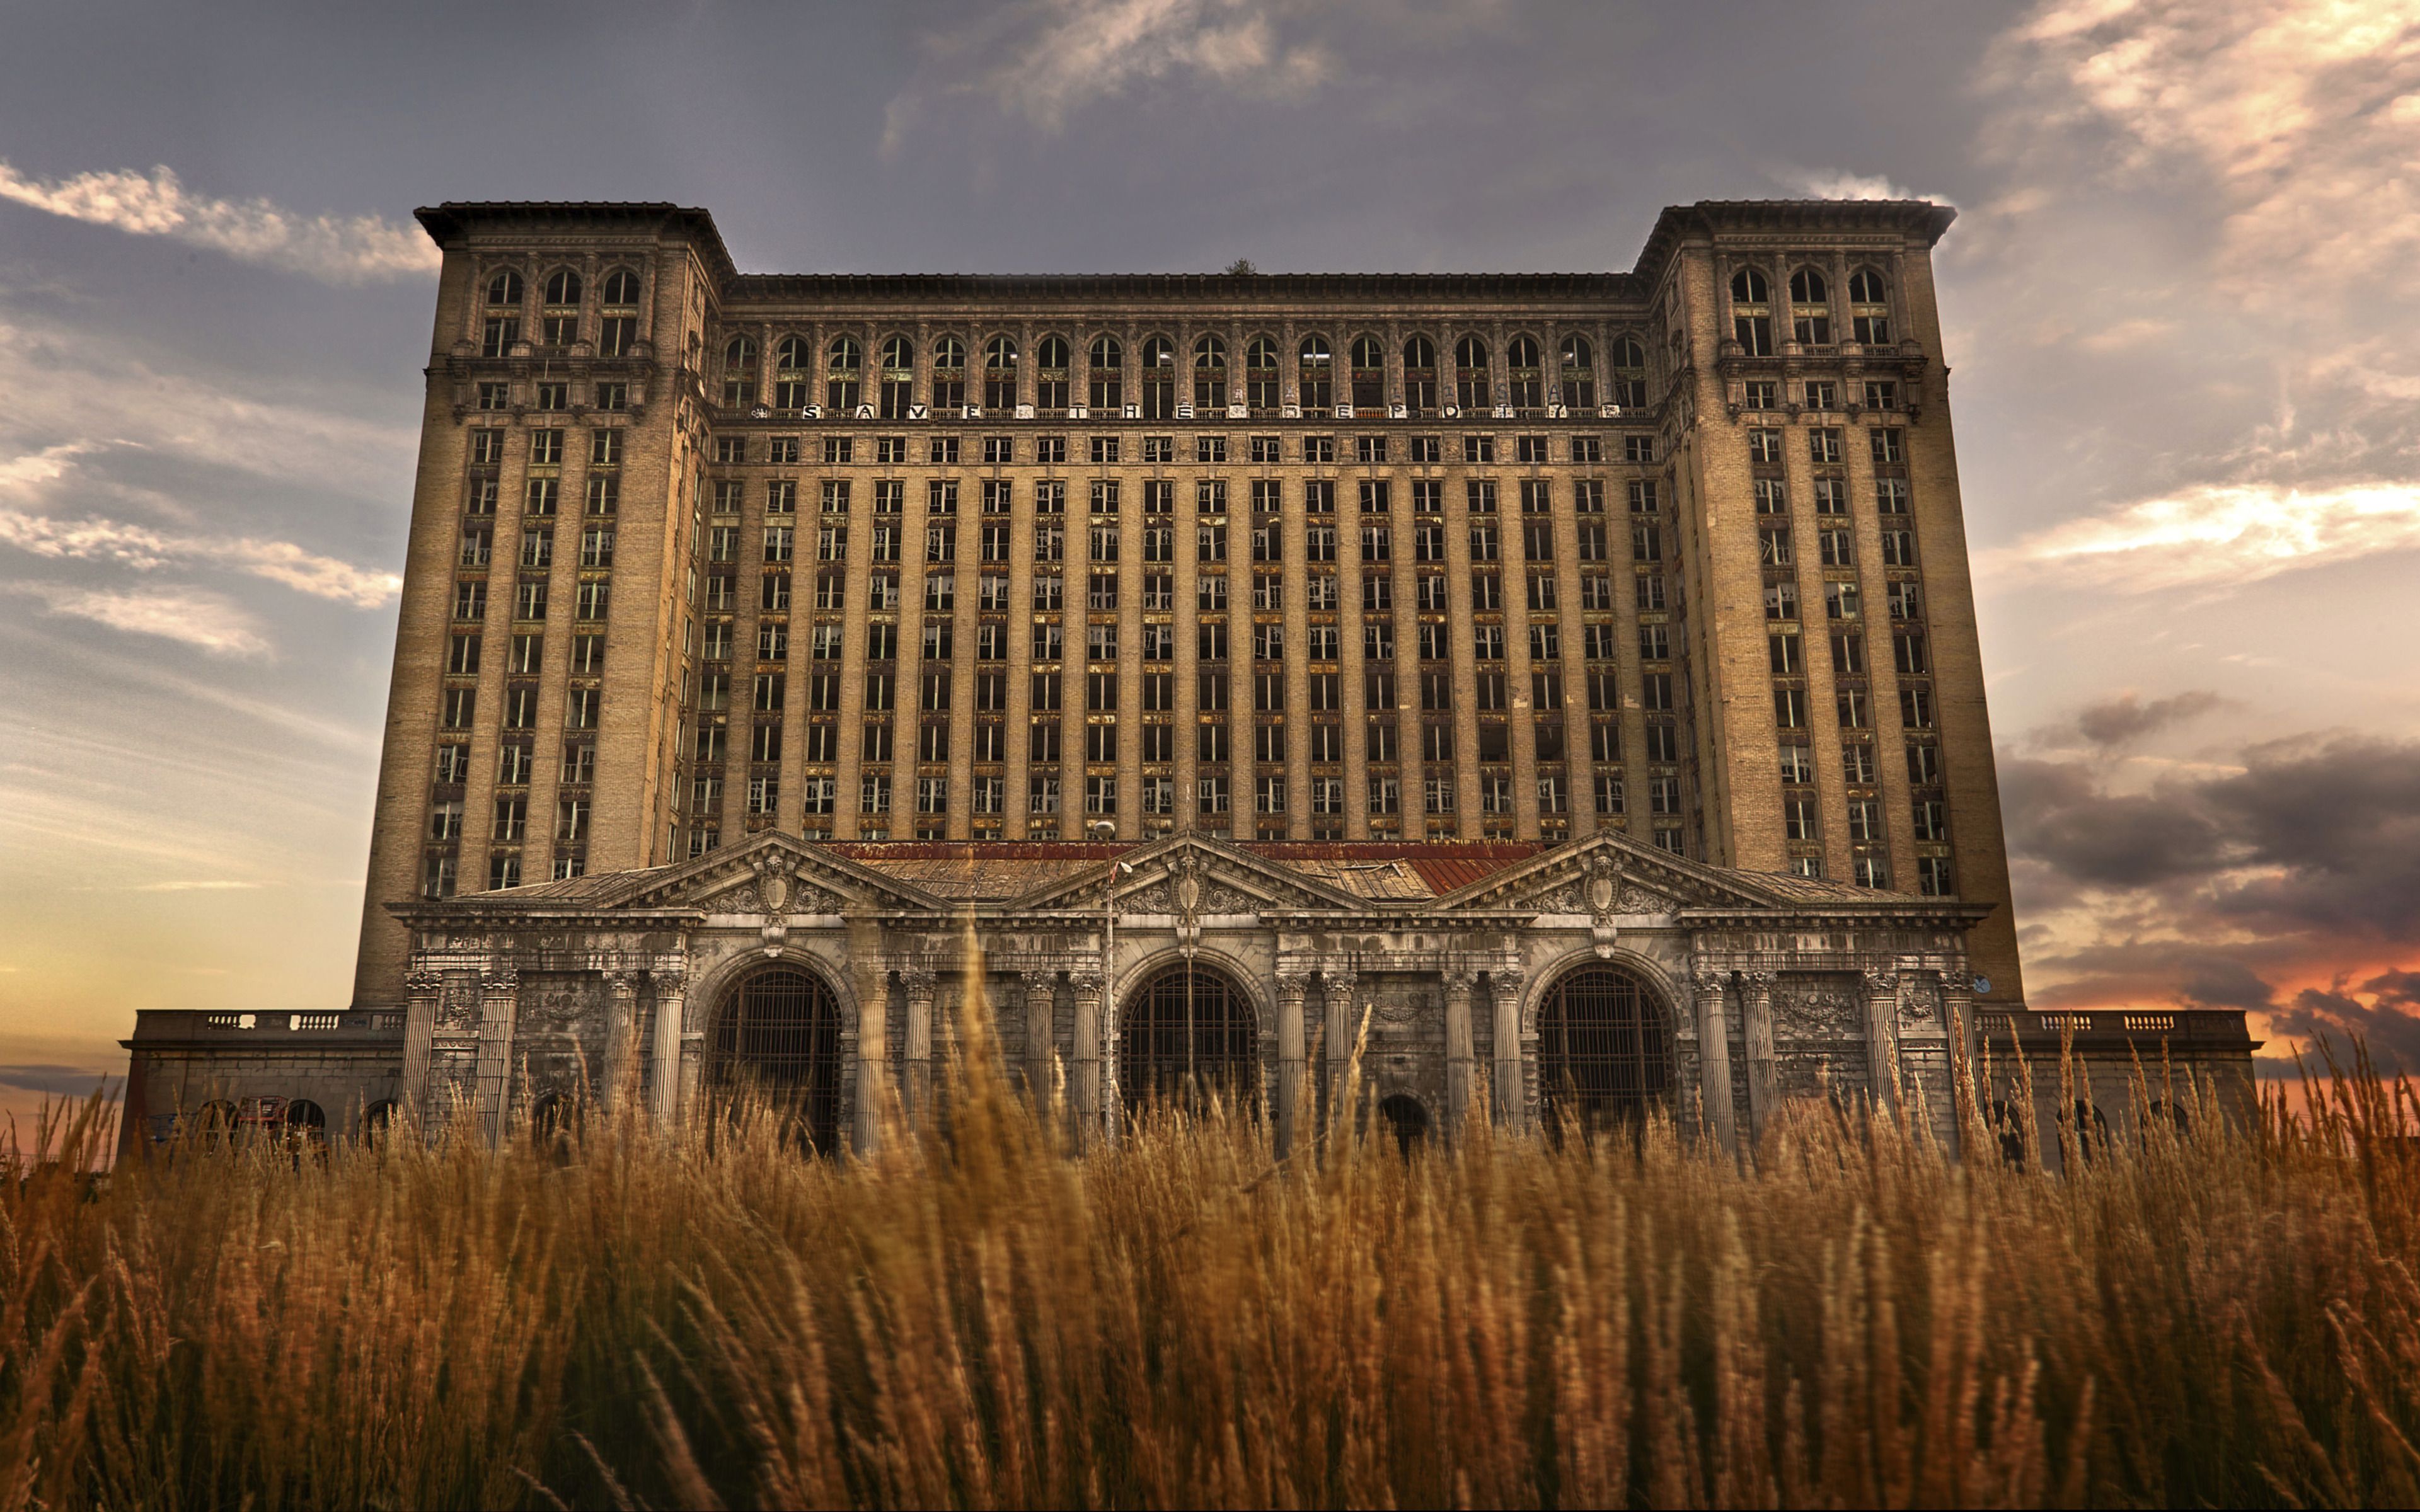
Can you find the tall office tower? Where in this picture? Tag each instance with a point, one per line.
(1461, 557)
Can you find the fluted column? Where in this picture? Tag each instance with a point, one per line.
(918, 1048)
(1290, 1055)
(1336, 1032)
(420, 989)
(1461, 1062)
(1041, 1032)
(1512, 1097)
(1881, 1036)
(621, 1041)
(873, 1057)
(499, 998)
(1714, 1057)
(1087, 1048)
(664, 1056)
(1756, 1023)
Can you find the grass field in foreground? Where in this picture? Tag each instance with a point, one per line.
(2228, 1314)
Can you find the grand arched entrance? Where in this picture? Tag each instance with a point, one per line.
(776, 1038)
(1186, 1032)
(1605, 1050)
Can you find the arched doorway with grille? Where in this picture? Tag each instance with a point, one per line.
(775, 1038)
(1188, 1031)
(1605, 1050)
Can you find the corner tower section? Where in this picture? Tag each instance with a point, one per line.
(548, 565)
(1841, 730)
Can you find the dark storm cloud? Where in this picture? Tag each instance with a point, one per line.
(2314, 834)
(56, 1081)
(2118, 720)
(2389, 1024)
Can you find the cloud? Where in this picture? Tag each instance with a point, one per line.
(56, 1081)
(2115, 721)
(144, 548)
(340, 250)
(1833, 184)
(1045, 59)
(190, 615)
(2389, 1023)
(2295, 113)
(2218, 535)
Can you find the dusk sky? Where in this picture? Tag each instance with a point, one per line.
(2178, 303)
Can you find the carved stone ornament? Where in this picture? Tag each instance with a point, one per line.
(1604, 892)
(1187, 898)
(1710, 983)
(919, 984)
(457, 1006)
(417, 983)
(1808, 1006)
(1882, 982)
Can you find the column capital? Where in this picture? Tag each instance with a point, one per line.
(1881, 981)
(1084, 981)
(1709, 981)
(499, 980)
(1758, 981)
(1039, 984)
(919, 984)
(423, 981)
(1338, 983)
(1292, 985)
(1505, 980)
(1463, 983)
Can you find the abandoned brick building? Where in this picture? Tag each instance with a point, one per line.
(1573, 675)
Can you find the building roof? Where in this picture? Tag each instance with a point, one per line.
(1678, 224)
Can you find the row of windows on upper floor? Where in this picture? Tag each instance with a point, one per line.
(1052, 451)
(1811, 309)
(564, 289)
(1524, 385)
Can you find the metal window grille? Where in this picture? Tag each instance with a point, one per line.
(1185, 1033)
(778, 1038)
(1604, 1051)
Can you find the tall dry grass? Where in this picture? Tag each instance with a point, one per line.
(2224, 1315)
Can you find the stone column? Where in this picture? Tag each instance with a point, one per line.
(1512, 1096)
(621, 1041)
(1041, 1033)
(1714, 1057)
(1290, 1053)
(872, 1057)
(1337, 1031)
(421, 988)
(1461, 1062)
(1881, 1036)
(499, 998)
(1763, 1072)
(1958, 1024)
(918, 1056)
(1087, 1050)
(664, 1053)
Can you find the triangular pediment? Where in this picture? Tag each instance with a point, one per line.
(1609, 874)
(1223, 880)
(774, 873)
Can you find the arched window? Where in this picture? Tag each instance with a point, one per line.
(1051, 359)
(1579, 372)
(999, 373)
(1158, 377)
(617, 329)
(378, 1121)
(1419, 374)
(1210, 375)
(1106, 378)
(1528, 375)
(2008, 1129)
(1470, 385)
(213, 1124)
(1751, 313)
(504, 288)
(2091, 1128)
(1810, 308)
(1868, 308)
(1605, 1050)
(1630, 373)
(775, 1042)
(1261, 381)
(306, 1124)
(1184, 1034)
(739, 373)
(1369, 373)
(841, 367)
(1316, 374)
(949, 376)
(560, 323)
(793, 375)
(897, 386)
